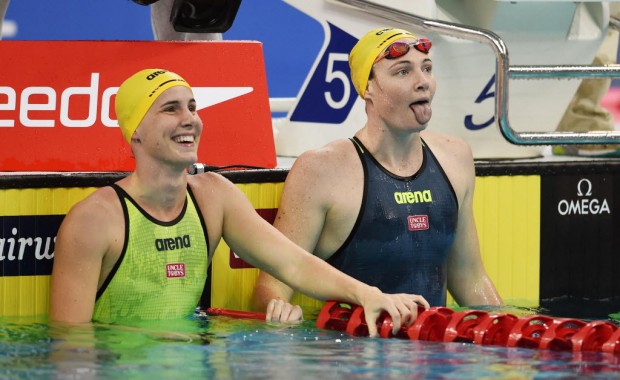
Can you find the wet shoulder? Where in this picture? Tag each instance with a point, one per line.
(103, 201)
(212, 189)
(330, 160)
(448, 148)
(209, 184)
(101, 211)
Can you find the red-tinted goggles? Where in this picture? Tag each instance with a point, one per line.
(398, 49)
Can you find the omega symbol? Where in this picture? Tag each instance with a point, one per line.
(588, 185)
(586, 204)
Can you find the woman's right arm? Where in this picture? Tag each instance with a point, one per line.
(81, 244)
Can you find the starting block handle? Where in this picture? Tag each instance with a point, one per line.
(503, 72)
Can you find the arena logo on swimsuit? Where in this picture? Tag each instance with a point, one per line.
(170, 244)
(402, 197)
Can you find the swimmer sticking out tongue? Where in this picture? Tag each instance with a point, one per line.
(422, 110)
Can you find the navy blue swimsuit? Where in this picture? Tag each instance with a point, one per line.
(403, 233)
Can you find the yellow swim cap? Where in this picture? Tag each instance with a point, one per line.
(365, 51)
(137, 94)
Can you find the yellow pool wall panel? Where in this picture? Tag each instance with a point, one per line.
(506, 209)
(29, 295)
(507, 214)
(24, 295)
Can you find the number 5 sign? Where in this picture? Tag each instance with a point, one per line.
(329, 96)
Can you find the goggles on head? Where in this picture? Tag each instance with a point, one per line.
(398, 49)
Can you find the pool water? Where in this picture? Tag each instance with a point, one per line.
(223, 347)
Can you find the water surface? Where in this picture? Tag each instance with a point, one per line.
(222, 347)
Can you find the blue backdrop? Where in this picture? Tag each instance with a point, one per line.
(291, 39)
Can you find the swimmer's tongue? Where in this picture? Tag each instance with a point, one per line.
(422, 111)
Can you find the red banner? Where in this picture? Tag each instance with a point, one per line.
(57, 101)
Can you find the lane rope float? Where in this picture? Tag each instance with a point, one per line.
(442, 324)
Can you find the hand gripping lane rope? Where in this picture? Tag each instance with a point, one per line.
(442, 324)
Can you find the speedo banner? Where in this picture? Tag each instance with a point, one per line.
(57, 101)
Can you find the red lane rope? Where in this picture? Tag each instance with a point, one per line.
(441, 324)
(480, 327)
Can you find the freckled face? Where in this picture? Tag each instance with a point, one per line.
(401, 90)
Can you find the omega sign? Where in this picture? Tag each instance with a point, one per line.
(585, 203)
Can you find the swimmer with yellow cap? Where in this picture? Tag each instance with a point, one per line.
(378, 44)
(137, 93)
(352, 219)
(111, 264)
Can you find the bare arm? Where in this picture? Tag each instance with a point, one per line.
(80, 246)
(468, 281)
(304, 272)
(300, 218)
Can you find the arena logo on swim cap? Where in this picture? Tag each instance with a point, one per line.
(155, 74)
